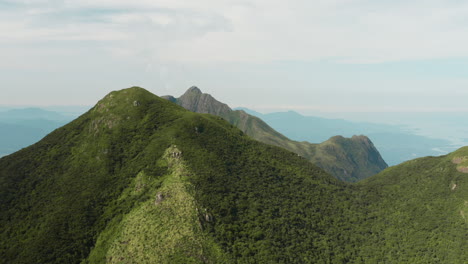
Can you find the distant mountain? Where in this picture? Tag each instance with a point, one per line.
(22, 127)
(22, 134)
(395, 144)
(32, 113)
(196, 101)
(138, 179)
(357, 152)
(348, 159)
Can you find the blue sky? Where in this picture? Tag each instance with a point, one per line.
(311, 56)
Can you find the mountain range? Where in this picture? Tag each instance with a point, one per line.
(395, 143)
(22, 127)
(348, 159)
(138, 179)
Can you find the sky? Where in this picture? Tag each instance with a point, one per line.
(305, 55)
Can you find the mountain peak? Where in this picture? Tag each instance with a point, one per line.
(194, 90)
(125, 97)
(363, 139)
(124, 108)
(354, 160)
(196, 101)
(359, 159)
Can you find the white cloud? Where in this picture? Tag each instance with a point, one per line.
(348, 31)
(219, 43)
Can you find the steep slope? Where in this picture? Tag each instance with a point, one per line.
(196, 101)
(395, 143)
(138, 179)
(348, 159)
(165, 229)
(103, 188)
(419, 211)
(349, 154)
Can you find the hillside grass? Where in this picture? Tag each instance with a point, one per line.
(166, 228)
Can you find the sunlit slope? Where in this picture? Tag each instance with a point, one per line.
(166, 227)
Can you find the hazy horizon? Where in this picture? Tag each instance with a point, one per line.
(322, 56)
(442, 125)
(390, 62)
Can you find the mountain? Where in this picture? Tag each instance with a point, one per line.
(396, 144)
(22, 127)
(420, 209)
(138, 179)
(196, 101)
(348, 159)
(351, 157)
(20, 135)
(32, 113)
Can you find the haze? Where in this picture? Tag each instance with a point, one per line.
(310, 56)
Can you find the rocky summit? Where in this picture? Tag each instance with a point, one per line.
(348, 159)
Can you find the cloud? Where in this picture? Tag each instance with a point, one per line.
(345, 31)
(143, 29)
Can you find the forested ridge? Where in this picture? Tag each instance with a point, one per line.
(138, 179)
(348, 159)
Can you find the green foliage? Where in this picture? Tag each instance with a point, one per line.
(164, 228)
(351, 159)
(348, 159)
(417, 211)
(88, 193)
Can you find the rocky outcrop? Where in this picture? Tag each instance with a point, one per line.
(348, 159)
(196, 101)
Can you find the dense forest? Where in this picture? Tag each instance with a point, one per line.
(139, 179)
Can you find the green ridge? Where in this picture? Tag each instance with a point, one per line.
(419, 210)
(166, 228)
(348, 159)
(88, 193)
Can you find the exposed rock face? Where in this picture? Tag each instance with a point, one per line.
(159, 198)
(348, 159)
(462, 163)
(196, 101)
